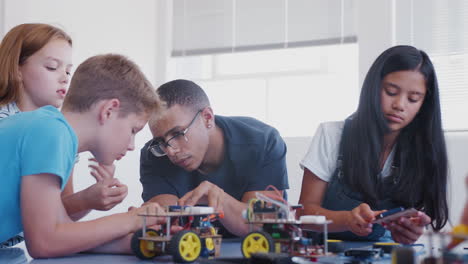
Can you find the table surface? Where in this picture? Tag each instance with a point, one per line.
(230, 248)
(19, 255)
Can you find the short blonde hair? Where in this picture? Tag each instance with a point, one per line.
(16, 47)
(110, 76)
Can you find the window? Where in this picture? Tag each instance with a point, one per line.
(440, 28)
(291, 89)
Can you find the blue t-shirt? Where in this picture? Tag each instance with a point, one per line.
(35, 142)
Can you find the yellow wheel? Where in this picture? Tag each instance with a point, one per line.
(185, 246)
(145, 249)
(458, 230)
(277, 247)
(257, 242)
(209, 244)
(212, 231)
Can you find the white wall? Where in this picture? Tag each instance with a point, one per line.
(141, 30)
(2, 17)
(118, 26)
(375, 32)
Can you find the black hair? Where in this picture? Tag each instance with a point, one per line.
(185, 93)
(421, 180)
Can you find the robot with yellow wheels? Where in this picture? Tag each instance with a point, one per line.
(198, 237)
(280, 231)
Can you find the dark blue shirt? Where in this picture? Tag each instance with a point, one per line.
(254, 158)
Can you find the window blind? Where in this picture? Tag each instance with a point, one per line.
(217, 26)
(440, 28)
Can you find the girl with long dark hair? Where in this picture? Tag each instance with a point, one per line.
(391, 152)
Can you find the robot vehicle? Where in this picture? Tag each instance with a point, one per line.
(197, 238)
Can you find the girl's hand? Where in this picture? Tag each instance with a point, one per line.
(104, 194)
(360, 219)
(407, 230)
(99, 171)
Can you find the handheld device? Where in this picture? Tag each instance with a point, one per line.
(393, 214)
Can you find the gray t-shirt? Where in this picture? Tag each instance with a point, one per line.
(255, 157)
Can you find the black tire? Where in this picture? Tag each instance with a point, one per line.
(257, 242)
(335, 246)
(185, 246)
(403, 255)
(139, 246)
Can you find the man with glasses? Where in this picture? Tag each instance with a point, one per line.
(196, 157)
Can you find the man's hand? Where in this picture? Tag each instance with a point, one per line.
(105, 194)
(360, 219)
(407, 230)
(206, 192)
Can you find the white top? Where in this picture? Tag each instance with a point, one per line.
(8, 110)
(322, 155)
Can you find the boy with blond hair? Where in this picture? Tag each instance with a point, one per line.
(108, 102)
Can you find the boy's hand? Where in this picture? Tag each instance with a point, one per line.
(105, 194)
(147, 209)
(205, 192)
(360, 219)
(99, 171)
(407, 230)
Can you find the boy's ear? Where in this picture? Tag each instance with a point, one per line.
(109, 109)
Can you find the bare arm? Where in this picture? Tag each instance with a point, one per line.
(73, 205)
(232, 209)
(50, 232)
(117, 246)
(313, 190)
(464, 218)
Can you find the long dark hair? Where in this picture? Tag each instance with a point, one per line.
(421, 180)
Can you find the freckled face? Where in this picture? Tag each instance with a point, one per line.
(45, 75)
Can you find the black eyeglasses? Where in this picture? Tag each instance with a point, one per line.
(158, 147)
